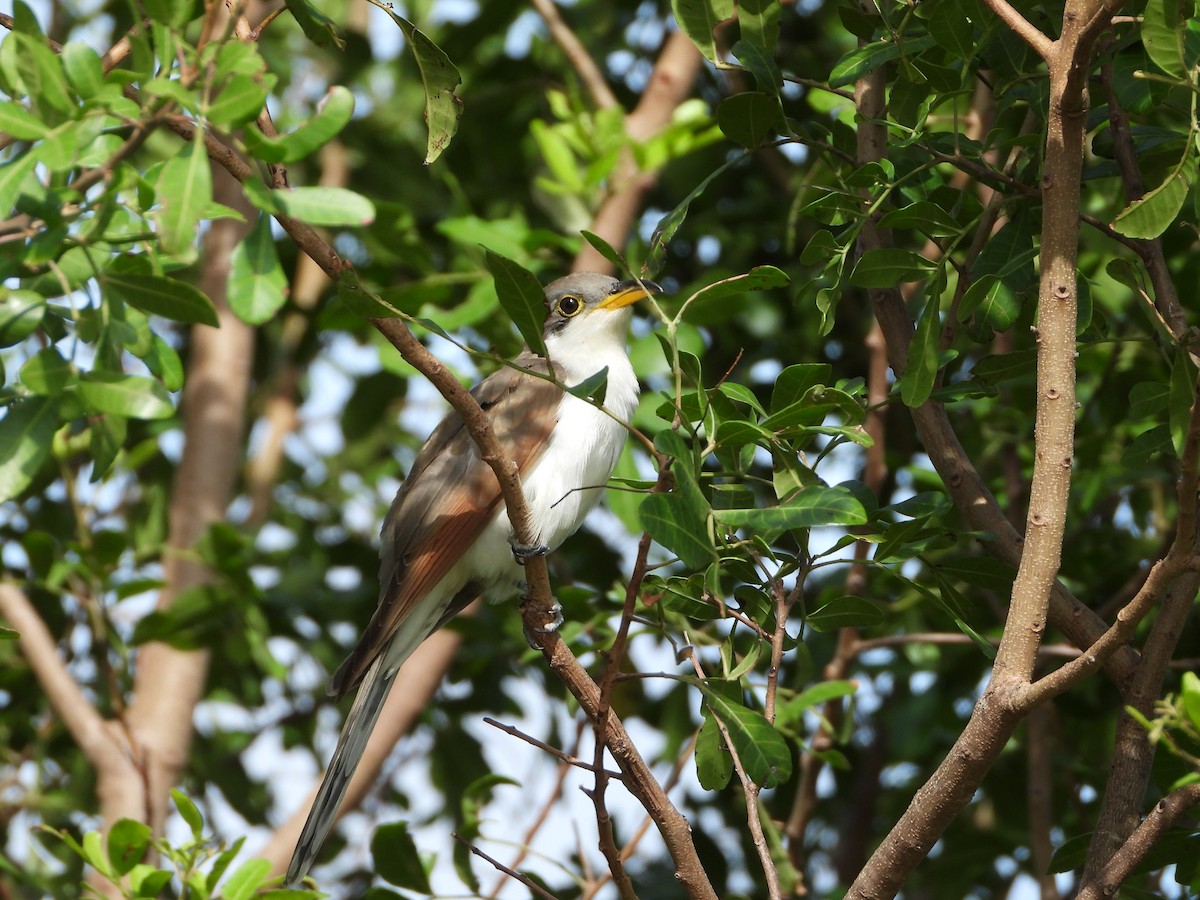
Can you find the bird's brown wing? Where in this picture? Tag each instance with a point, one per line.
(447, 500)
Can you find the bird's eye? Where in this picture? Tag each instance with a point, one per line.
(569, 305)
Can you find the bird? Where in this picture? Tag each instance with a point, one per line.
(447, 539)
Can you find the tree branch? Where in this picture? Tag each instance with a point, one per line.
(1022, 27)
(670, 83)
(169, 682)
(98, 739)
(577, 54)
(1122, 863)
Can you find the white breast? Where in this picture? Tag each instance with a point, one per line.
(568, 480)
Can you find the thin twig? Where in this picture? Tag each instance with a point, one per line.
(560, 755)
(511, 873)
(577, 54)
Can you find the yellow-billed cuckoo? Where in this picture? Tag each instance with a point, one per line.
(447, 538)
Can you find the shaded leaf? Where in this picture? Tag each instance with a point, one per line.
(443, 108)
(888, 268)
(332, 115)
(26, 432)
(761, 749)
(749, 118)
(699, 18)
(162, 296)
(184, 191)
(134, 396)
(714, 764)
(522, 297)
(810, 507)
(844, 612)
(257, 283)
(869, 57)
(128, 841)
(314, 205)
(1152, 214)
(21, 312)
(317, 27)
(396, 858)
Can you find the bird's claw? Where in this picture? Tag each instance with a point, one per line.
(522, 553)
(555, 611)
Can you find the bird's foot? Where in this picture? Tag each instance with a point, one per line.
(555, 611)
(522, 553)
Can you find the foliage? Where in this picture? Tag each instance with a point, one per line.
(117, 859)
(817, 600)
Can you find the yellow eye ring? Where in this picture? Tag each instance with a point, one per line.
(569, 305)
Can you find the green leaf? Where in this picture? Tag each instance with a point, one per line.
(333, 114)
(241, 100)
(16, 121)
(162, 296)
(317, 27)
(45, 82)
(314, 205)
(749, 118)
(794, 382)
(84, 69)
(1152, 214)
(995, 301)
(477, 795)
(601, 246)
(952, 25)
(396, 858)
(888, 268)
(148, 882)
(246, 880)
(134, 396)
(1190, 694)
(699, 18)
(866, 59)
(46, 372)
(714, 763)
(1005, 366)
(443, 108)
(184, 191)
(812, 506)
(924, 216)
(522, 297)
(128, 841)
(758, 21)
(21, 312)
(13, 177)
(844, 612)
(817, 695)
(164, 362)
(917, 382)
(1162, 35)
(359, 300)
(172, 13)
(669, 224)
(93, 852)
(257, 284)
(188, 812)
(761, 749)
(680, 526)
(26, 432)
(760, 278)
(1182, 397)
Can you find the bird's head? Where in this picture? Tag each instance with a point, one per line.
(588, 306)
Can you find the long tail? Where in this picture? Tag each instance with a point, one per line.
(351, 743)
